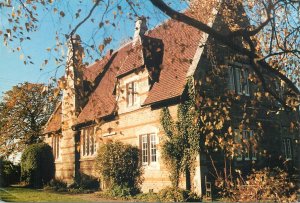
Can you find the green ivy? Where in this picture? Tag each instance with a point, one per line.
(37, 165)
(181, 147)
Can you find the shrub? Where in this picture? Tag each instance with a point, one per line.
(56, 185)
(9, 173)
(262, 185)
(37, 165)
(119, 167)
(268, 184)
(85, 182)
(174, 194)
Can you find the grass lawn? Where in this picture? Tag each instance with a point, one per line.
(21, 194)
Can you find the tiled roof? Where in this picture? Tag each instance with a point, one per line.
(94, 70)
(178, 54)
(133, 58)
(102, 101)
(180, 43)
(54, 122)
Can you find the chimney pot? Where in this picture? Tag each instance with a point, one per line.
(140, 27)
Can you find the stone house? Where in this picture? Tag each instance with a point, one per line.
(120, 97)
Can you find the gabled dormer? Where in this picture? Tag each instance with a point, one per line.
(140, 69)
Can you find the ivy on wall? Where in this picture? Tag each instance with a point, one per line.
(181, 147)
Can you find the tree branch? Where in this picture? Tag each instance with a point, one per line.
(224, 39)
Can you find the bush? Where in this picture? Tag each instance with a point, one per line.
(119, 167)
(37, 165)
(9, 173)
(85, 182)
(268, 184)
(262, 185)
(56, 185)
(172, 194)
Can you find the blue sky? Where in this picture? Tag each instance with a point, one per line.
(12, 68)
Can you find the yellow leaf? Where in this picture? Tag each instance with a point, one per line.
(101, 47)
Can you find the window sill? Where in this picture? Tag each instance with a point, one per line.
(58, 161)
(88, 158)
(151, 165)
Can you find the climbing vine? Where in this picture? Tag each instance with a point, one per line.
(181, 147)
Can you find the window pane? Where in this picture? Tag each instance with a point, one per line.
(87, 142)
(238, 142)
(284, 148)
(153, 147)
(246, 135)
(83, 143)
(288, 148)
(129, 94)
(144, 149)
(238, 80)
(252, 144)
(92, 140)
(231, 78)
(134, 92)
(246, 82)
(57, 147)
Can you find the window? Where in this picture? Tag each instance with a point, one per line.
(55, 145)
(238, 80)
(131, 93)
(148, 147)
(88, 142)
(287, 148)
(246, 141)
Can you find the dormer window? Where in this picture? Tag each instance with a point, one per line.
(131, 89)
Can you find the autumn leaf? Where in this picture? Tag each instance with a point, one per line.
(101, 47)
(62, 14)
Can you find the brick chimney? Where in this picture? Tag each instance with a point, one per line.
(140, 28)
(71, 102)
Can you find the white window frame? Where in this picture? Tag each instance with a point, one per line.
(287, 148)
(88, 142)
(239, 79)
(148, 148)
(246, 149)
(132, 93)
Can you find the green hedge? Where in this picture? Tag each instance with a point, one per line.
(119, 167)
(37, 165)
(9, 173)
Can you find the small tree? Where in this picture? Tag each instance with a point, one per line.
(24, 111)
(9, 173)
(119, 166)
(37, 165)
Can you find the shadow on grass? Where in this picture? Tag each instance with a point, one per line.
(7, 196)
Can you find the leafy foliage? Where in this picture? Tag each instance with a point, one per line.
(262, 185)
(37, 165)
(9, 173)
(270, 42)
(182, 144)
(119, 167)
(23, 113)
(83, 181)
(56, 185)
(171, 194)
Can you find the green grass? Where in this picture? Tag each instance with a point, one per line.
(21, 194)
